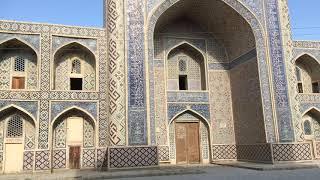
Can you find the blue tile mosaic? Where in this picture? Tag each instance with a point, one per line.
(58, 107)
(177, 108)
(188, 97)
(29, 106)
(136, 74)
(285, 126)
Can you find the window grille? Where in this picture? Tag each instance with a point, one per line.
(307, 127)
(15, 127)
(76, 66)
(19, 64)
(182, 65)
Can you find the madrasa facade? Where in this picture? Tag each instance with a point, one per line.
(163, 82)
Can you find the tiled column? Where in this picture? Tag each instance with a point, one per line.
(117, 93)
(280, 84)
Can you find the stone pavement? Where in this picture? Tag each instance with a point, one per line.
(115, 174)
(202, 172)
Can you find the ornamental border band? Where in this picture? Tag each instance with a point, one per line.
(163, 82)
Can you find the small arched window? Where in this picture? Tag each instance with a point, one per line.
(19, 64)
(307, 127)
(15, 127)
(76, 66)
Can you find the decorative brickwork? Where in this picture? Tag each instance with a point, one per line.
(224, 152)
(292, 152)
(133, 157)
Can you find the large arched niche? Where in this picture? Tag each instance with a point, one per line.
(74, 68)
(18, 65)
(238, 37)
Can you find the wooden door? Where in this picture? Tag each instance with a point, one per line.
(193, 143)
(74, 157)
(14, 158)
(18, 82)
(187, 143)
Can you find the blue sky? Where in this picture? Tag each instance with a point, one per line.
(305, 14)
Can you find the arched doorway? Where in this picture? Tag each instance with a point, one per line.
(74, 68)
(189, 139)
(73, 140)
(17, 136)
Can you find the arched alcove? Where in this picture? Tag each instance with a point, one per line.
(74, 68)
(307, 74)
(311, 124)
(18, 66)
(17, 140)
(186, 69)
(73, 139)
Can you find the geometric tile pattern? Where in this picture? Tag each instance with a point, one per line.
(102, 158)
(204, 140)
(224, 152)
(163, 153)
(133, 157)
(1, 159)
(317, 149)
(28, 157)
(88, 158)
(59, 159)
(255, 152)
(116, 67)
(42, 161)
(292, 152)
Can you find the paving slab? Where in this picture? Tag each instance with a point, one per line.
(113, 174)
(269, 167)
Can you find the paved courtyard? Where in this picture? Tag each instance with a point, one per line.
(229, 173)
(175, 173)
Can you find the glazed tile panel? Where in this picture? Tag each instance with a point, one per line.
(279, 73)
(137, 120)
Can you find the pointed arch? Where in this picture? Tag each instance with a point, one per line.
(187, 44)
(75, 109)
(259, 39)
(193, 112)
(314, 111)
(76, 43)
(13, 107)
(17, 39)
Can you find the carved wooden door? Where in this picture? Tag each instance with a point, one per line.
(74, 157)
(187, 143)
